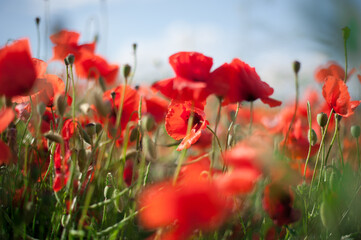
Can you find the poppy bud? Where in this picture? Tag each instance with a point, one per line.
(61, 104)
(102, 107)
(329, 214)
(148, 122)
(296, 66)
(40, 108)
(102, 84)
(134, 134)
(98, 127)
(55, 137)
(82, 159)
(150, 148)
(37, 20)
(84, 135)
(66, 62)
(322, 119)
(312, 137)
(90, 128)
(134, 47)
(355, 131)
(126, 70)
(70, 58)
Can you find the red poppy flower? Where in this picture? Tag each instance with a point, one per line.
(176, 122)
(331, 69)
(93, 66)
(190, 205)
(297, 144)
(153, 104)
(277, 202)
(46, 87)
(17, 73)
(238, 181)
(128, 172)
(243, 156)
(337, 96)
(130, 106)
(5, 154)
(87, 64)
(61, 164)
(6, 117)
(192, 71)
(238, 82)
(66, 42)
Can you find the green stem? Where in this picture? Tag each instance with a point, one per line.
(309, 117)
(319, 150)
(294, 113)
(231, 125)
(250, 118)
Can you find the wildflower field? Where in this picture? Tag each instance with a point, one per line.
(205, 154)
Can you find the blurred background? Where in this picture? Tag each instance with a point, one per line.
(267, 34)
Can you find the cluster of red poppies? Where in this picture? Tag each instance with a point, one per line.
(214, 180)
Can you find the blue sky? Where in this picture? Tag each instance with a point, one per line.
(267, 34)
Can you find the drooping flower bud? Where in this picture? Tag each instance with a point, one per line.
(312, 137)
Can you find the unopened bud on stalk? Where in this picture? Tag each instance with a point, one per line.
(126, 70)
(55, 137)
(102, 107)
(134, 47)
(322, 119)
(40, 108)
(70, 58)
(90, 128)
(296, 66)
(134, 134)
(355, 131)
(148, 122)
(66, 62)
(37, 20)
(338, 117)
(312, 137)
(60, 104)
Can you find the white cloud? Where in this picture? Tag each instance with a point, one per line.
(154, 51)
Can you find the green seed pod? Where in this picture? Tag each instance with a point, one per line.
(312, 137)
(296, 66)
(322, 119)
(355, 131)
